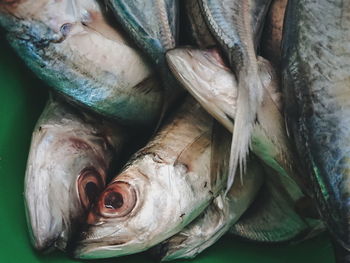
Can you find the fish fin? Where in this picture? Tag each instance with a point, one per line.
(250, 93)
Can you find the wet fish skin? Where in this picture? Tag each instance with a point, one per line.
(232, 24)
(273, 217)
(165, 186)
(70, 156)
(204, 74)
(315, 77)
(72, 46)
(153, 25)
(216, 220)
(271, 39)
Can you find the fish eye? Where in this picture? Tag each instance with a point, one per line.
(117, 200)
(66, 28)
(90, 184)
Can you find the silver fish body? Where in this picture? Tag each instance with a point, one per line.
(70, 157)
(165, 186)
(204, 74)
(73, 46)
(315, 75)
(216, 220)
(273, 216)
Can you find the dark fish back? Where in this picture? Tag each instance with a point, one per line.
(316, 83)
(226, 21)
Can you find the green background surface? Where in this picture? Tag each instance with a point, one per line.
(22, 97)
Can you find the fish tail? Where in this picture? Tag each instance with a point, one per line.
(250, 93)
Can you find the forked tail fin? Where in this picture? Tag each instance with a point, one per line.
(250, 94)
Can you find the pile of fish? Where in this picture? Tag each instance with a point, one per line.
(171, 123)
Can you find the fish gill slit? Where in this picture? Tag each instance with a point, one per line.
(166, 35)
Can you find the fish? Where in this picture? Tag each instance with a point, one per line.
(216, 220)
(205, 75)
(71, 155)
(236, 26)
(271, 39)
(78, 49)
(165, 186)
(315, 82)
(154, 26)
(198, 27)
(275, 217)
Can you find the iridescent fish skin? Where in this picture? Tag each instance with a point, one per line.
(216, 220)
(165, 186)
(316, 85)
(153, 25)
(70, 157)
(72, 46)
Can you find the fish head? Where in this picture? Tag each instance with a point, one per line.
(204, 74)
(66, 171)
(57, 17)
(137, 210)
(34, 27)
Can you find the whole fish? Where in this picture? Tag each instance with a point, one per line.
(204, 74)
(274, 217)
(235, 25)
(72, 45)
(164, 187)
(216, 220)
(153, 25)
(315, 75)
(271, 38)
(70, 157)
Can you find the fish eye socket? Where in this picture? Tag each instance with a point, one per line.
(66, 28)
(90, 184)
(118, 200)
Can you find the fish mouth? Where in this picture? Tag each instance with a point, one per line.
(103, 247)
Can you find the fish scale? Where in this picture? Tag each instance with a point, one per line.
(316, 60)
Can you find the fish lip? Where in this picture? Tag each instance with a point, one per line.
(87, 248)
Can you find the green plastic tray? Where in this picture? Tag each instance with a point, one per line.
(22, 97)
